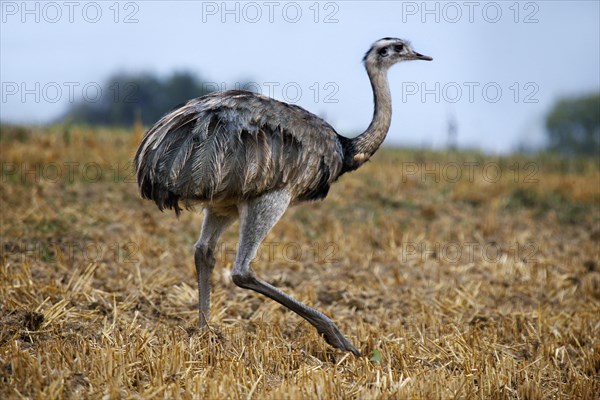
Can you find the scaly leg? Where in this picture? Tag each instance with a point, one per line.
(257, 217)
(213, 227)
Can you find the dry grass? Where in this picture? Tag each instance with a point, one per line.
(478, 288)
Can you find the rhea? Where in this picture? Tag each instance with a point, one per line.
(243, 155)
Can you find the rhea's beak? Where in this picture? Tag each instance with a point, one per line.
(419, 56)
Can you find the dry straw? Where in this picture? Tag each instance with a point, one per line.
(452, 289)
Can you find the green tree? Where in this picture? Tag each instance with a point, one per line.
(125, 95)
(573, 126)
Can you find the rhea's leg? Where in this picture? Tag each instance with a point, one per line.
(212, 228)
(257, 217)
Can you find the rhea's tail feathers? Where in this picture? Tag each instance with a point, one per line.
(163, 197)
(165, 148)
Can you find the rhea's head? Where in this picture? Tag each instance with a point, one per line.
(388, 51)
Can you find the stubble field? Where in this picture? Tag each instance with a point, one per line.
(456, 275)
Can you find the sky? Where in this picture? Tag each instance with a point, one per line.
(498, 66)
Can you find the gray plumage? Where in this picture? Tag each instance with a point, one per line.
(243, 155)
(232, 146)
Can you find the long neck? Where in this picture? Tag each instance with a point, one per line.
(361, 148)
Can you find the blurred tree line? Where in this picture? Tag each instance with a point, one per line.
(125, 96)
(573, 126)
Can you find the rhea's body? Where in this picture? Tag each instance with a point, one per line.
(231, 146)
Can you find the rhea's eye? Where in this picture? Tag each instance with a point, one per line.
(399, 48)
(383, 52)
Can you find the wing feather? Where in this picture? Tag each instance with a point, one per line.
(234, 145)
